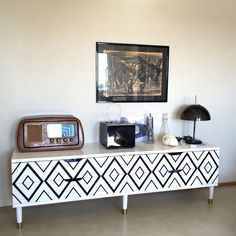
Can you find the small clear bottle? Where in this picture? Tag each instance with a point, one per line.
(164, 127)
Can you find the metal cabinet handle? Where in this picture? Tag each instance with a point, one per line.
(71, 180)
(175, 171)
(175, 153)
(73, 160)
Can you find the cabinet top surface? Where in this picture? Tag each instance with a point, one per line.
(97, 150)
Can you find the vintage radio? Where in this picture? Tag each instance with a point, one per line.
(56, 132)
(117, 135)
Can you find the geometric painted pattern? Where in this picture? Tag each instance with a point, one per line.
(171, 171)
(39, 182)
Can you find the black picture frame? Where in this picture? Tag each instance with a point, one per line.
(131, 72)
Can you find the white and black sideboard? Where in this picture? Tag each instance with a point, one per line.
(95, 172)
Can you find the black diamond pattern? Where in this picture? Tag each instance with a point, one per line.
(87, 186)
(159, 171)
(114, 172)
(28, 182)
(139, 172)
(208, 161)
(87, 177)
(27, 170)
(163, 171)
(208, 167)
(114, 175)
(58, 170)
(58, 180)
(186, 169)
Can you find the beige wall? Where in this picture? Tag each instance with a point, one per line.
(47, 64)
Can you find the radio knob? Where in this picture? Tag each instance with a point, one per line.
(58, 140)
(65, 140)
(51, 140)
(71, 139)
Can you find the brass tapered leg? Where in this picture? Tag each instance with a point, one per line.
(19, 217)
(19, 225)
(210, 201)
(210, 197)
(124, 211)
(125, 204)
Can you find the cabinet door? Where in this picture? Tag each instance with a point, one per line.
(29, 182)
(199, 169)
(207, 173)
(159, 172)
(39, 182)
(172, 171)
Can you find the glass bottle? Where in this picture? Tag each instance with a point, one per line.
(164, 127)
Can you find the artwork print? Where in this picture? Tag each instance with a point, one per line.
(131, 73)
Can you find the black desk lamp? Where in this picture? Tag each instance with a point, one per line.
(195, 113)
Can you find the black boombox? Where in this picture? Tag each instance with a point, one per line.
(117, 135)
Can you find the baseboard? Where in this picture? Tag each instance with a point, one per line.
(5, 208)
(224, 184)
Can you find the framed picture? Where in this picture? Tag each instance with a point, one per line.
(131, 72)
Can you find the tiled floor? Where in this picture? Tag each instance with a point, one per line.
(180, 213)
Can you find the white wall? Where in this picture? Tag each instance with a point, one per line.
(47, 65)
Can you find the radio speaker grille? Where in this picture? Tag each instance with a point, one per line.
(34, 133)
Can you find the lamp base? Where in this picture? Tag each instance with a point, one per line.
(191, 140)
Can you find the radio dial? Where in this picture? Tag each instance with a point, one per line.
(71, 139)
(51, 140)
(58, 140)
(65, 140)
